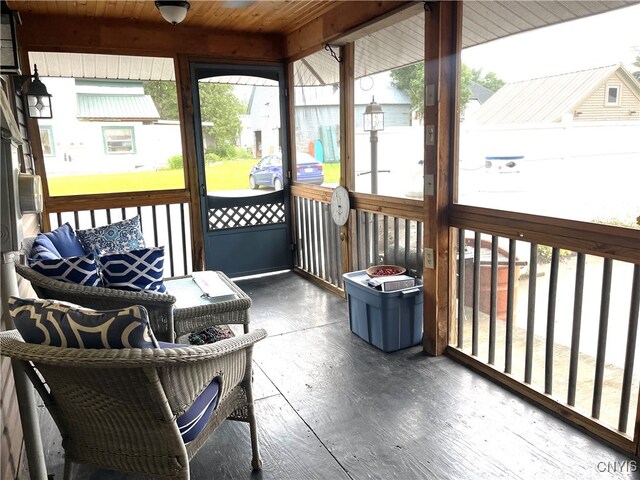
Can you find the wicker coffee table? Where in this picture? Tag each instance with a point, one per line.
(195, 310)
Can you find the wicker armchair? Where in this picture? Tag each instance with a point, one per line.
(117, 409)
(166, 321)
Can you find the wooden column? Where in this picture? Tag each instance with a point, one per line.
(442, 24)
(191, 181)
(347, 148)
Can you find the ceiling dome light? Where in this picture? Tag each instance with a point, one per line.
(173, 11)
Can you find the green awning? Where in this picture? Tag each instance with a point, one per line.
(116, 107)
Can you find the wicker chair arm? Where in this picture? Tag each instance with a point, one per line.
(12, 345)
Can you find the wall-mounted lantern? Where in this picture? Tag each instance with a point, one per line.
(38, 99)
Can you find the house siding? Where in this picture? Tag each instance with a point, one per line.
(11, 455)
(594, 108)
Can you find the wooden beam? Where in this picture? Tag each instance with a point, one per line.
(591, 238)
(345, 18)
(347, 147)
(442, 47)
(192, 182)
(115, 200)
(394, 206)
(128, 37)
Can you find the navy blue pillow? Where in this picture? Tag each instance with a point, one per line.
(81, 270)
(43, 249)
(134, 270)
(65, 241)
(61, 324)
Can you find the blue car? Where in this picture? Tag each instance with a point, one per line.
(268, 171)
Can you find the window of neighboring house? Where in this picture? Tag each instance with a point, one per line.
(613, 96)
(119, 140)
(46, 138)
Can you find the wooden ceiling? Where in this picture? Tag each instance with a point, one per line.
(259, 16)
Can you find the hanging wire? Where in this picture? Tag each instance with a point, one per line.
(329, 48)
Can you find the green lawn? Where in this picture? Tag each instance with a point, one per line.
(232, 175)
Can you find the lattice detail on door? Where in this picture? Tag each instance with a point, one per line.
(246, 216)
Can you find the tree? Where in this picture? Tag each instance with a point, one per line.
(490, 80)
(164, 95)
(411, 80)
(218, 106)
(637, 64)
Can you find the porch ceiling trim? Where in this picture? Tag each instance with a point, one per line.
(395, 38)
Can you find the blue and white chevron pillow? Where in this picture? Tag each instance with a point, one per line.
(81, 270)
(134, 270)
(61, 324)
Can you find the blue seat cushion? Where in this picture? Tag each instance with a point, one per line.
(135, 270)
(82, 270)
(115, 237)
(191, 422)
(61, 324)
(59, 243)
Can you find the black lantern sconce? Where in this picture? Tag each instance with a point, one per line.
(38, 99)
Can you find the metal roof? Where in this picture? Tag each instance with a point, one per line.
(116, 107)
(480, 92)
(546, 99)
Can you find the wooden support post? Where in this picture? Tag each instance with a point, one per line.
(185, 108)
(442, 46)
(347, 156)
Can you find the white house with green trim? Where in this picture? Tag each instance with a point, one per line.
(102, 126)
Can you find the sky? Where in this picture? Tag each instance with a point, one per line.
(591, 42)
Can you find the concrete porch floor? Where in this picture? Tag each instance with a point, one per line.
(330, 406)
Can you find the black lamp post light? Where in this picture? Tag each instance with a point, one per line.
(373, 122)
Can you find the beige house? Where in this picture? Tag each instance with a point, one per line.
(605, 93)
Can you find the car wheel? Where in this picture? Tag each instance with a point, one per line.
(277, 184)
(252, 182)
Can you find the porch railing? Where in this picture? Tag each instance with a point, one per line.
(165, 222)
(383, 230)
(559, 322)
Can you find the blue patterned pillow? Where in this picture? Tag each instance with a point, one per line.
(116, 237)
(81, 270)
(61, 324)
(134, 270)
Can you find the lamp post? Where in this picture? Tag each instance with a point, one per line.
(373, 122)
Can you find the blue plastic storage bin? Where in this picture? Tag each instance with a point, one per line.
(387, 320)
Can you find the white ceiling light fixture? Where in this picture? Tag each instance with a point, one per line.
(173, 11)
